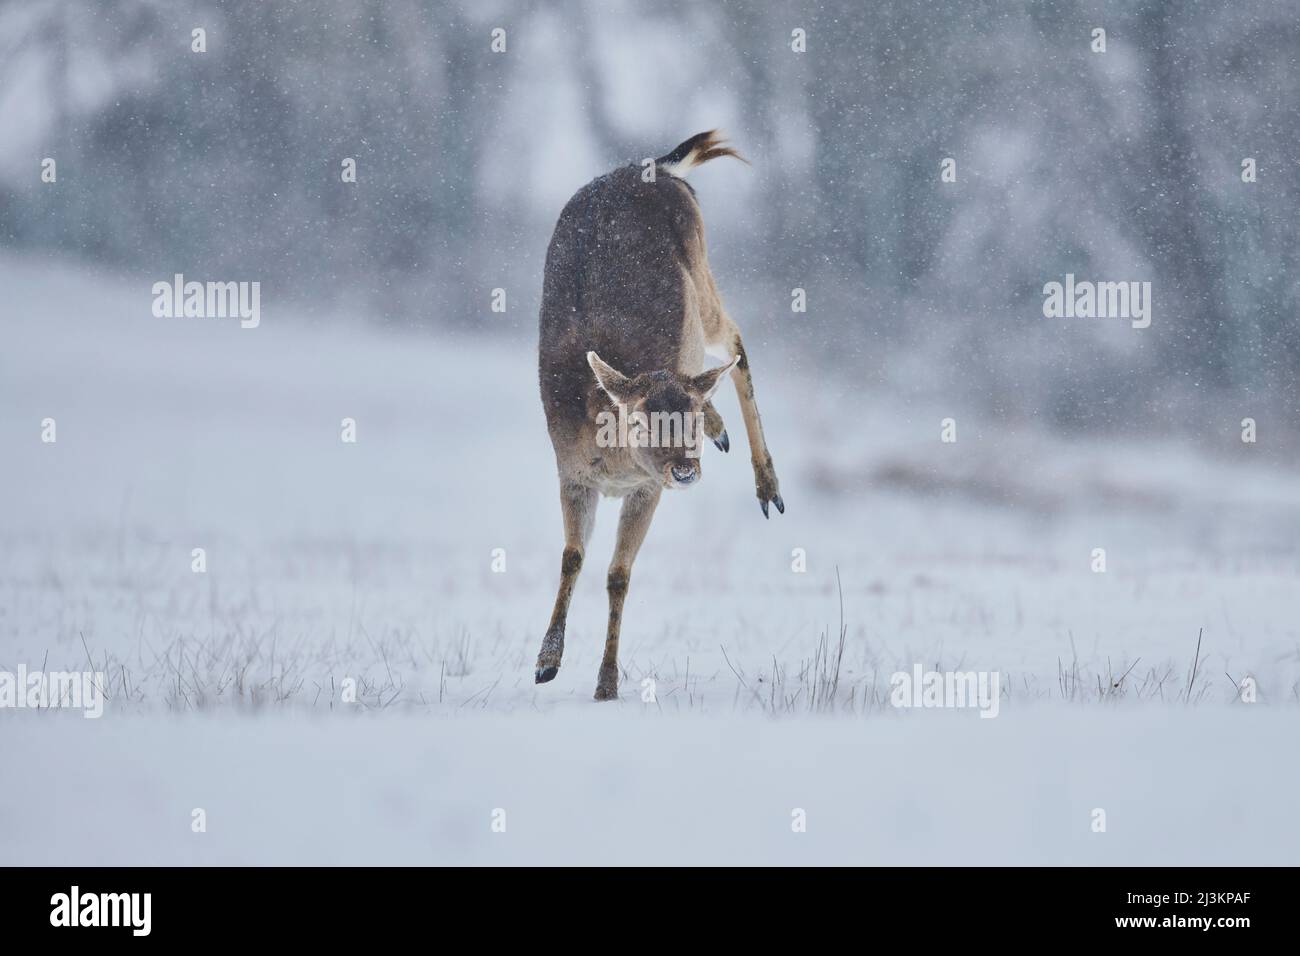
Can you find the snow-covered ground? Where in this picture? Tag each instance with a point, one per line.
(629, 785)
(374, 562)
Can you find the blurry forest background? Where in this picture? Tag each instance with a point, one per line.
(1124, 165)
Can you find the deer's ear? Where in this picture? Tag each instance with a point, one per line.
(706, 383)
(616, 385)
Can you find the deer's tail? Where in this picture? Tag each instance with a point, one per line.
(699, 149)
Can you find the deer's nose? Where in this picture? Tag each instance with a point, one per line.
(684, 474)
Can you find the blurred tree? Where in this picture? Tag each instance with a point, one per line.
(1124, 166)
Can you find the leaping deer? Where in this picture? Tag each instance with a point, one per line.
(629, 310)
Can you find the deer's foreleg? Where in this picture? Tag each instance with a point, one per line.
(579, 505)
(726, 342)
(714, 429)
(633, 523)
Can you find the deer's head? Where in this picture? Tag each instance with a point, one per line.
(659, 417)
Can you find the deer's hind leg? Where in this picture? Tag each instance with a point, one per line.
(633, 523)
(579, 505)
(722, 338)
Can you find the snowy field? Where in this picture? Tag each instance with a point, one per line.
(373, 562)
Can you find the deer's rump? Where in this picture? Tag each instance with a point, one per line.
(615, 283)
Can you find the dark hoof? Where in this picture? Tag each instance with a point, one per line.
(763, 504)
(780, 505)
(723, 442)
(546, 674)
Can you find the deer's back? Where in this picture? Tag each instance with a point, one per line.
(615, 283)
